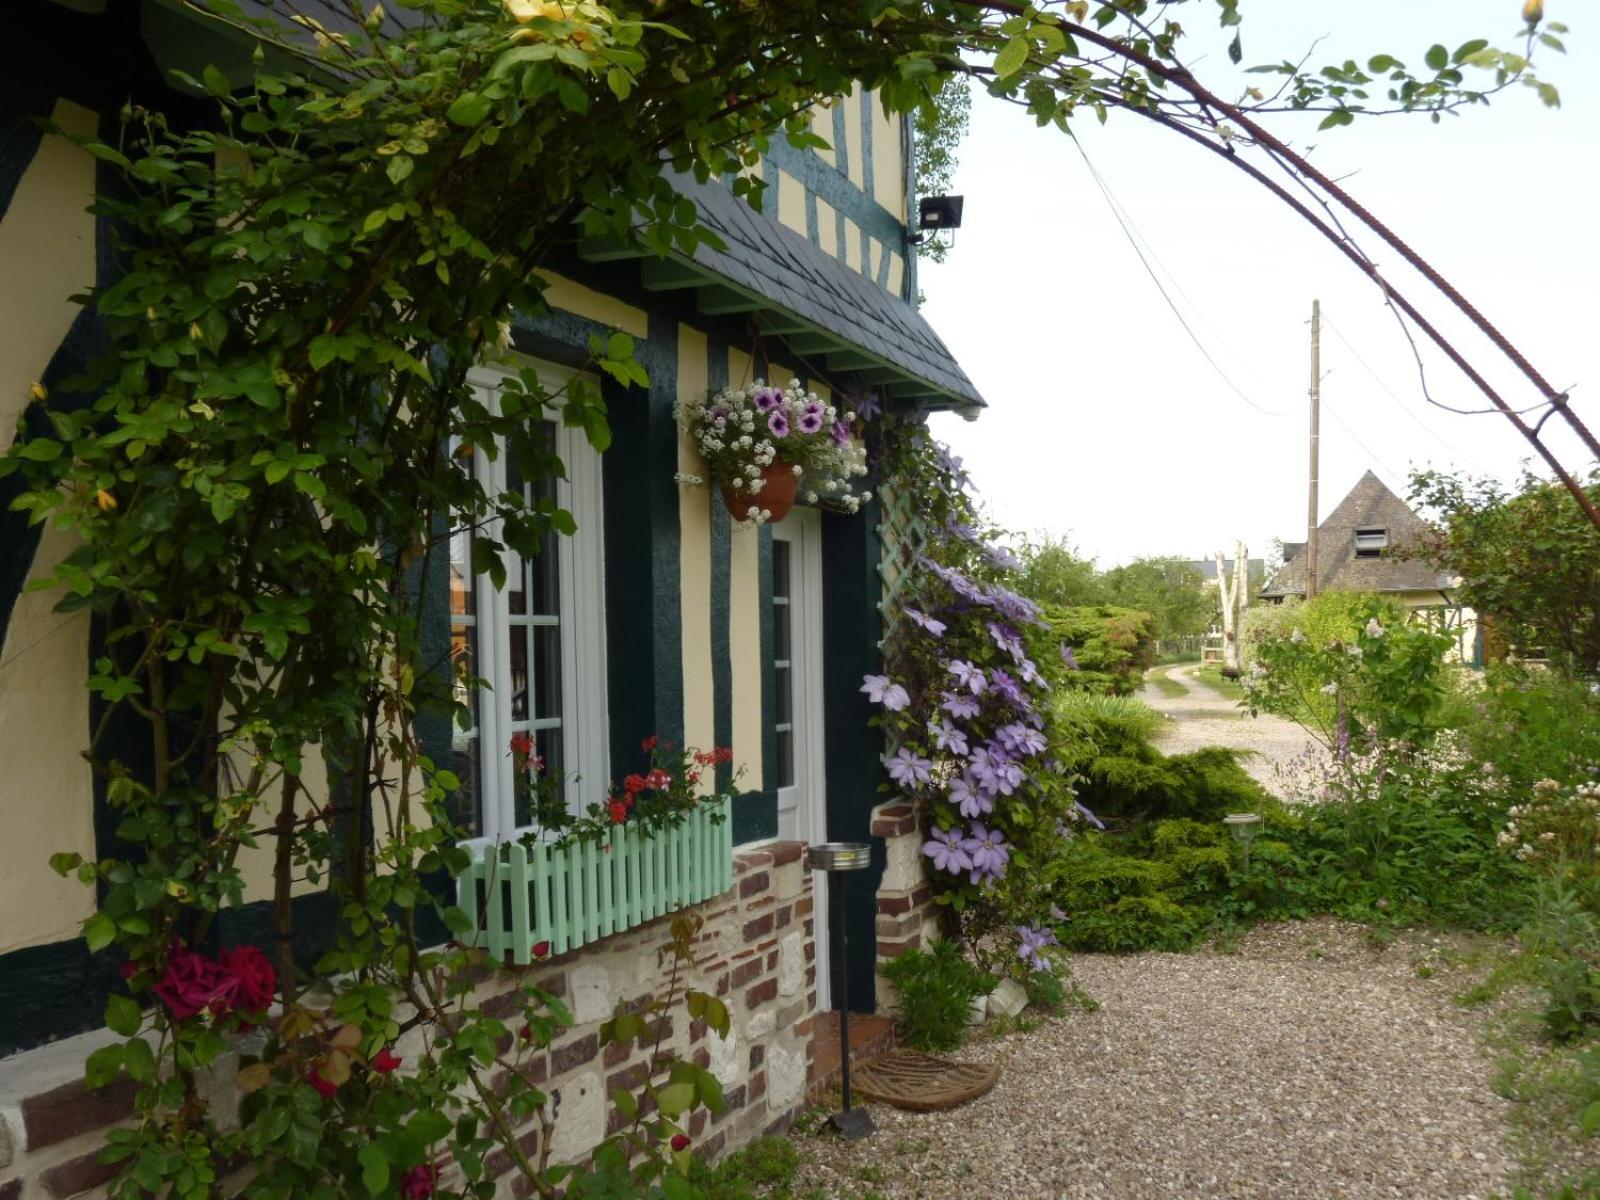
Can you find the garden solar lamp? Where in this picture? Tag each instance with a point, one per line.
(836, 858)
(1244, 827)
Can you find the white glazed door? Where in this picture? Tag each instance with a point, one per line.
(797, 701)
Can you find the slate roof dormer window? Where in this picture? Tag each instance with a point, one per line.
(1371, 541)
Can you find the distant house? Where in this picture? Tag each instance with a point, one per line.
(1207, 569)
(1361, 548)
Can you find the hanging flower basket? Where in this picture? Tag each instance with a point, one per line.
(763, 446)
(772, 502)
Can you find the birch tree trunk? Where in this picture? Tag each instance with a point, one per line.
(1235, 596)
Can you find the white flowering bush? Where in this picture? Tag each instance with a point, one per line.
(1557, 829)
(746, 433)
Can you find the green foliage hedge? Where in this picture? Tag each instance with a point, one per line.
(1112, 647)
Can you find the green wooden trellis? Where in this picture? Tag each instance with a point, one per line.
(516, 897)
(903, 536)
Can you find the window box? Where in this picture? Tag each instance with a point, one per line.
(517, 898)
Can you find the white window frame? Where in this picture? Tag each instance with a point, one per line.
(584, 719)
(1371, 540)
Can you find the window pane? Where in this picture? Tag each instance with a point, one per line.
(470, 796)
(463, 664)
(780, 568)
(547, 671)
(517, 637)
(461, 599)
(783, 685)
(780, 632)
(785, 742)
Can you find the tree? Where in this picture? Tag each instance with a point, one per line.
(1170, 589)
(1234, 593)
(1526, 558)
(1053, 572)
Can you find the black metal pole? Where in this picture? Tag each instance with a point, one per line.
(844, 989)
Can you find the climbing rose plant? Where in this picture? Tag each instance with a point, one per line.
(259, 475)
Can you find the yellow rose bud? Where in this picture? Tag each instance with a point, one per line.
(194, 331)
(36, 391)
(1533, 11)
(105, 500)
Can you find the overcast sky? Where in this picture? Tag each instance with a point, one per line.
(1107, 424)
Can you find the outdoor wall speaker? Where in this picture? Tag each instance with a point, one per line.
(939, 212)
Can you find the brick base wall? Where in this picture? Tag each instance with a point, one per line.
(907, 917)
(755, 952)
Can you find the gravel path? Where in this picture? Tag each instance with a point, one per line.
(1305, 1065)
(1205, 717)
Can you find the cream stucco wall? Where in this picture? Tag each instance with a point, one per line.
(888, 160)
(853, 162)
(792, 202)
(565, 294)
(47, 248)
(694, 564)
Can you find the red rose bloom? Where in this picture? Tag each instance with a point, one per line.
(650, 743)
(417, 1183)
(255, 981)
(127, 968)
(192, 983)
(384, 1061)
(680, 1141)
(541, 949)
(325, 1086)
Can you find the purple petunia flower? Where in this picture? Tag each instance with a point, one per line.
(810, 422)
(840, 433)
(777, 423)
(989, 852)
(970, 801)
(932, 624)
(947, 736)
(960, 706)
(908, 769)
(967, 676)
(1068, 657)
(768, 399)
(880, 690)
(948, 849)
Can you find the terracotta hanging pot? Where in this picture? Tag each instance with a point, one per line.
(776, 495)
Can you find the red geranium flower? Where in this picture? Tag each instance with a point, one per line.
(658, 779)
(384, 1061)
(254, 979)
(325, 1086)
(522, 750)
(634, 784)
(192, 983)
(619, 812)
(650, 743)
(417, 1183)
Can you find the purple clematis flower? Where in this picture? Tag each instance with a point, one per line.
(965, 532)
(768, 399)
(880, 690)
(1020, 741)
(993, 771)
(960, 706)
(1006, 687)
(990, 854)
(967, 676)
(1068, 657)
(867, 407)
(908, 769)
(777, 423)
(948, 849)
(1029, 671)
(1032, 945)
(922, 620)
(947, 736)
(1005, 638)
(1002, 557)
(970, 801)
(840, 433)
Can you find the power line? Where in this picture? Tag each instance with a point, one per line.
(1401, 404)
(1133, 241)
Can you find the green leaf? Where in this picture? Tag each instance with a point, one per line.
(123, 1015)
(99, 931)
(323, 350)
(64, 863)
(469, 109)
(374, 1169)
(428, 1126)
(1438, 58)
(103, 1066)
(139, 1061)
(626, 1103)
(109, 153)
(675, 1098)
(1235, 50)
(1341, 116)
(40, 450)
(1467, 49)
(1011, 57)
(620, 82)
(400, 168)
(216, 82)
(456, 920)
(1380, 64)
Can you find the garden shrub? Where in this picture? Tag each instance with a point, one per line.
(936, 989)
(1111, 647)
(763, 1168)
(1533, 724)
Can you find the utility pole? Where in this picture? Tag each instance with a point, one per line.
(1316, 404)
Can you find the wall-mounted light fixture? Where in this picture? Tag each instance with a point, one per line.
(935, 214)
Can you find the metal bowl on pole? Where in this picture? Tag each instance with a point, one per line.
(838, 858)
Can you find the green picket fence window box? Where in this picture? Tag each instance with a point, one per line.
(516, 897)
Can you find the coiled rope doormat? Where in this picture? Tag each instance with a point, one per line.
(920, 1082)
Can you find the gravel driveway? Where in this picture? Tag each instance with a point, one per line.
(1205, 717)
(1305, 1065)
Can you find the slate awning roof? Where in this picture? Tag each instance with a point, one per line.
(801, 281)
(1369, 505)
